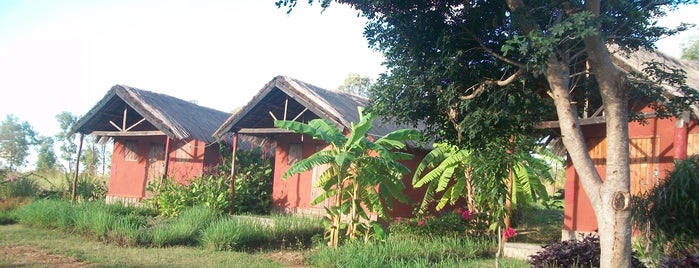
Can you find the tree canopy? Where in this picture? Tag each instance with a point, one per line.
(15, 139)
(690, 49)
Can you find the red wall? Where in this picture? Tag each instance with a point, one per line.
(578, 214)
(128, 178)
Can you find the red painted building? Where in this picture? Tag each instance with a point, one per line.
(155, 136)
(652, 147)
(284, 98)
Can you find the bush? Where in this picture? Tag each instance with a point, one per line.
(456, 223)
(689, 261)
(667, 214)
(19, 187)
(46, 213)
(171, 198)
(573, 253)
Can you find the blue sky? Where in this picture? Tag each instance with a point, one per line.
(65, 55)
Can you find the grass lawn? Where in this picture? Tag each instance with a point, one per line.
(98, 254)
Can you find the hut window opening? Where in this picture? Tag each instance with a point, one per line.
(130, 148)
(295, 153)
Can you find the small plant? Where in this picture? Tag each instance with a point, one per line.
(573, 253)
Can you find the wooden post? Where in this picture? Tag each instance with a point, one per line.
(77, 168)
(680, 142)
(231, 206)
(167, 158)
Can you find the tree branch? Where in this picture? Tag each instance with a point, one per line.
(482, 86)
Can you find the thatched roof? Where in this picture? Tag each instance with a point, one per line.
(176, 118)
(287, 98)
(635, 63)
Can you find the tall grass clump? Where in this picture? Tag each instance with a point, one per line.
(237, 234)
(185, 229)
(297, 232)
(404, 251)
(93, 218)
(47, 213)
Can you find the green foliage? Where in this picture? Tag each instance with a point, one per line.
(357, 182)
(68, 148)
(89, 187)
(356, 84)
(15, 139)
(253, 185)
(667, 214)
(46, 157)
(690, 49)
(171, 198)
(448, 172)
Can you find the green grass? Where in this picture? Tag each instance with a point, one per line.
(414, 251)
(539, 226)
(107, 255)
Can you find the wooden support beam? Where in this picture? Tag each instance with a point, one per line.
(74, 193)
(263, 131)
(273, 117)
(127, 134)
(299, 115)
(286, 105)
(140, 121)
(115, 125)
(123, 121)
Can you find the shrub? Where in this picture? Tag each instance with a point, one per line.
(171, 198)
(455, 223)
(19, 187)
(667, 214)
(573, 253)
(689, 261)
(89, 188)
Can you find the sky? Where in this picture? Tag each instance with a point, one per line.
(65, 55)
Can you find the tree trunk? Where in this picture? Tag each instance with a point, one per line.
(613, 213)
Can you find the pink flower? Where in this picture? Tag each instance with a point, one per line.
(399, 219)
(467, 215)
(509, 232)
(421, 223)
(459, 210)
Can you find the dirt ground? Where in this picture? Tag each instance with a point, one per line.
(27, 256)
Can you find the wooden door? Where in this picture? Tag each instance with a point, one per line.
(317, 191)
(643, 163)
(155, 168)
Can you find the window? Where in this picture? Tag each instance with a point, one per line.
(295, 153)
(130, 150)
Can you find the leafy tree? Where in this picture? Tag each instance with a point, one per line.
(68, 148)
(91, 157)
(356, 84)
(362, 175)
(46, 158)
(448, 60)
(15, 139)
(690, 50)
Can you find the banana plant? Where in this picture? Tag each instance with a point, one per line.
(481, 177)
(363, 175)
